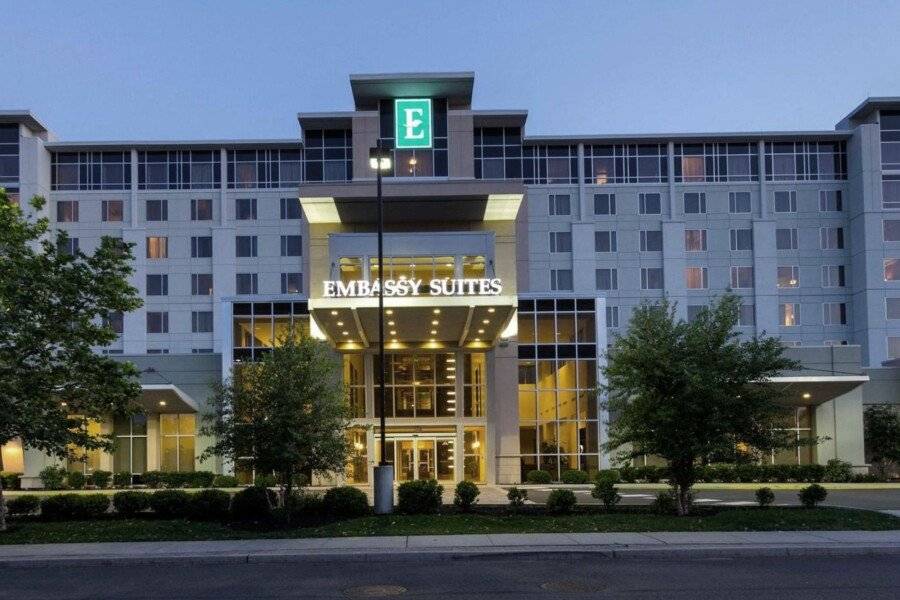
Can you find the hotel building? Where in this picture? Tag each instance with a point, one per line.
(512, 261)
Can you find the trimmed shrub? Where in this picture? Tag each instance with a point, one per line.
(573, 476)
(122, 479)
(11, 481)
(664, 503)
(306, 506)
(345, 501)
(764, 497)
(605, 491)
(23, 505)
(466, 495)
(811, 495)
(221, 481)
(419, 497)
(130, 502)
(76, 480)
(170, 504)
(744, 473)
(812, 473)
(152, 479)
(253, 504)
(53, 478)
(209, 505)
(100, 479)
(650, 474)
(516, 497)
(561, 501)
(627, 474)
(538, 476)
(263, 480)
(838, 471)
(74, 506)
(610, 475)
(201, 479)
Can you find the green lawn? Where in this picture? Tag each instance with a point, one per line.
(113, 529)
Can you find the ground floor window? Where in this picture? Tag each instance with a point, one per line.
(177, 442)
(357, 465)
(12, 457)
(473, 457)
(130, 434)
(82, 460)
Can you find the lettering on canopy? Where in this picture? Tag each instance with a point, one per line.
(361, 288)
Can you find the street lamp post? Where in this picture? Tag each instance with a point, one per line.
(380, 160)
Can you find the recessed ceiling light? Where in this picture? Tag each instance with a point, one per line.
(391, 323)
(431, 340)
(435, 322)
(63, 404)
(346, 333)
(492, 309)
(162, 402)
(434, 332)
(389, 311)
(477, 339)
(340, 323)
(481, 331)
(436, 311)
(393, 332)
(807, 396)
(486, 321)
(334, 312)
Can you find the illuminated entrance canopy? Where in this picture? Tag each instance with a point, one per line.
(412, 287)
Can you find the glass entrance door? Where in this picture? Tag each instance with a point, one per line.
(426, 459)
(422, 457)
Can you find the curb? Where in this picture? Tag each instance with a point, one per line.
(673, 552)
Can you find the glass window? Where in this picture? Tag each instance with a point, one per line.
(890, 192)
(788, 276)
(891, 230)
(177, 442)
(806, 161)
(696, 278)
(741, 277)
(201, 284)
(832, 238)
(290, 208)
(559, 204)
(649, 204)
(157, 322)
(130, 454)
(115, 321)
(246, 283)
(625, 163)
(561, 279)
(245, 246)
(157, 247)
(550, 164)
(786, 239)
(892, 308)
(157, 210)
(605, 241)
(112, 211)
(179, 170)
(201, 246)
(88, 170)
(292, 283)
(291, 245)
(834, 313)
(712, 162)
(498, 153)
(201, 321)
(604, 204)
(893, 344)
(266, 168)
(245, 209)
(785, 202)
(695, 240)
(741, 239)
(833, 276)
(201, 209)
(789, 314)
(612, 316)
(67, 211)
(892, 269)
(694, 203)
(830, 201)
(739, 202)
(560, 241)
(157, 284)
(651, 278)
(747, 316)
(651, 241)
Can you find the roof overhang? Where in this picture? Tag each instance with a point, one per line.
(22, 116)
(456, 87)
(166, 398)
(661, 138)
(122, 145)
(815, 390)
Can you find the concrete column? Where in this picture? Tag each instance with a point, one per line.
(584, 210)
(763, 191)
(503, 413)
(671, 167)
(765, 270)
(673, 265)
(601, 337)
(841, 420)
(583, 261)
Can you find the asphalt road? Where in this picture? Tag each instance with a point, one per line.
(868, 499)
(796, 578)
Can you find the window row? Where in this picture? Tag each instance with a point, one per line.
(741, 277)
(67, 211)
(9, 153)
(245, 246)
(157, 284)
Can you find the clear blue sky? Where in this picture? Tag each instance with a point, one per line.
(227, 69)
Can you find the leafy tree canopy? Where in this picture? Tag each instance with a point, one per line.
(685, 391)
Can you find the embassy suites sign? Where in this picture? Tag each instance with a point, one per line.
(361, 288)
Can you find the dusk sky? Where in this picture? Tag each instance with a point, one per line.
(227, 69)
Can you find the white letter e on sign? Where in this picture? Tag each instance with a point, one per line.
(411, 123)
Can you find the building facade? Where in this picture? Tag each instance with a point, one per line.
(512, 261)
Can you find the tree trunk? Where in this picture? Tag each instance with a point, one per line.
(2, 508)
(683, 499)
(288, 485)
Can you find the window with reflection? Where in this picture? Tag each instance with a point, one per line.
(550, 164)
(177, 442)
(357, 462)
(90, 171)
(498, 153)
(258, 326)
(625, 163)
(9, 153)
(83, 460)
(179, 170)
(265, 168)
(716, 162)
(418, 385)
(806, 161)
(355, 380)
(130, 454)
(425, 268)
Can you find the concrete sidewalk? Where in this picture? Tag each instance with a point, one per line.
(419, 548)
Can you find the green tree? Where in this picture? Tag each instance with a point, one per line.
(52, 307)
(683, 391)
(286, 413)
(882, 427)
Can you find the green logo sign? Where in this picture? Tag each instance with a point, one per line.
(412, 123)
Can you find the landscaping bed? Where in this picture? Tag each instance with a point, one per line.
(481, 520)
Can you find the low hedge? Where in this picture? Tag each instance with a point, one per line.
(23, 505)
(131, 502)
(74, 506)
(122, 479)
(834, 471)
(209, 505)
(76, 480)
(253, 504)
(573, 476)
(194, 479)
(170, 504)
(561, 501)
(538, 476)
(224, 481)
(11, 481)
(100, 479)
